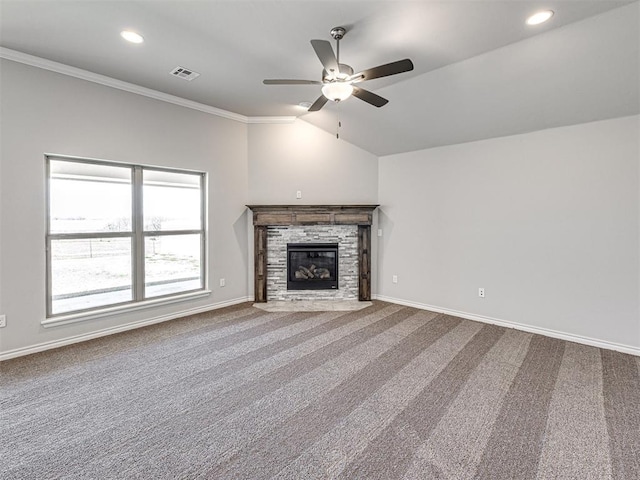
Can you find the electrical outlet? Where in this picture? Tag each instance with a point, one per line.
(299, 194)
(394, 279)
(222, 282)
(379, 232)
(481, 292)
(3, 321)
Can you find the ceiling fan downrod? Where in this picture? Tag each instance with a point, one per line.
(337, 33)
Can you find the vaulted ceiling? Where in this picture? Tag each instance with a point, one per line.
(480, 71)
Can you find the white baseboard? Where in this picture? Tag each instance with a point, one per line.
(19, 352)
(518, 326)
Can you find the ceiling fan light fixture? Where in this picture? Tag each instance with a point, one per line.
(337, 91)
(540, 17)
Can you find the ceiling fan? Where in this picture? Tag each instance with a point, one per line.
(338, 80)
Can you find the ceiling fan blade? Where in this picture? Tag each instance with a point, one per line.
(392, 68)
(318, 104)
(325, 54)
(291, 82)
(369, 97)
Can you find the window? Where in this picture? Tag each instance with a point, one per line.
(120, 234)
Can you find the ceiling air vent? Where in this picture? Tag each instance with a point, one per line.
(184, 73)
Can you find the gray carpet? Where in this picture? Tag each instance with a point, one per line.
(387, 392)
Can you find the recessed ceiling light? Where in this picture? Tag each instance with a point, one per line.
(305, 104)
(132, 37)
(540, 17)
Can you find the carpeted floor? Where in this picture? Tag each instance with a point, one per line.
(387, 392)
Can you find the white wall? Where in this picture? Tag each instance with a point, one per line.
(546, 222)
(45, 112)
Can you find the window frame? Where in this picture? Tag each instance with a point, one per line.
(137, 236)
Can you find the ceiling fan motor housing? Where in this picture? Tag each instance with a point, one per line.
(345, 72)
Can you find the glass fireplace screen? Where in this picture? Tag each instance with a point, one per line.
(312, 266)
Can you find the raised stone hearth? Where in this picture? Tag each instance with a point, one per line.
(275, 226)
(313, 306)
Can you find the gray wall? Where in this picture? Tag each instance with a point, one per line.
(285, 158)
(45, 112)
(546, 222)
(289, 157)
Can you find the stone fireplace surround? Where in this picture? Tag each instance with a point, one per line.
(346, 236)
(292, 220)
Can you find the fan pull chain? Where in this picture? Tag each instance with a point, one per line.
(339, 122)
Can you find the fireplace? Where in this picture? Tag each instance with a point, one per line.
(312, 266)
(329, 221)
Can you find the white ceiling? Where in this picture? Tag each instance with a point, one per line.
(480, 72)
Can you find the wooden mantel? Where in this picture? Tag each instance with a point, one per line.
(281, 215)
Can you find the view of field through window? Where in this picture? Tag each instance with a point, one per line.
(92, 234)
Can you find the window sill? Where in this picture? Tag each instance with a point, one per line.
(131, 307)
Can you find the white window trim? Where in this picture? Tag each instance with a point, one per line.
(65, 319)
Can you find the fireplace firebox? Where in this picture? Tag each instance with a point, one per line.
(312, 266)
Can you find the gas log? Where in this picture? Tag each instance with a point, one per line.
(312, 272)
(312, 266)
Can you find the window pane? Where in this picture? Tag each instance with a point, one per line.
(89, 198)
(87, 273)
(172, 201)
(172, 264)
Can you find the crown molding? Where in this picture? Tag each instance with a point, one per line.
(57, 67)
(271, 119)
